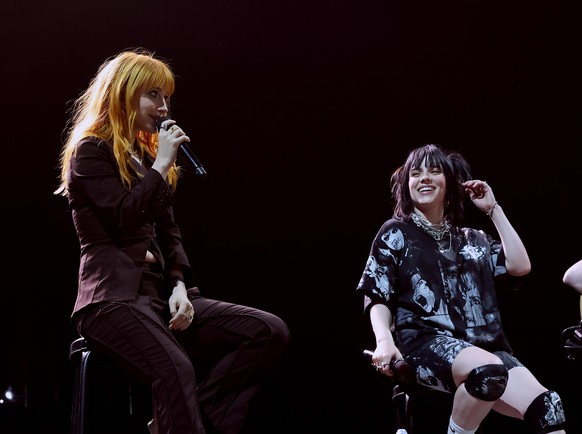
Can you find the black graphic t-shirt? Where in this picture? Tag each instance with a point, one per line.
(435, 290)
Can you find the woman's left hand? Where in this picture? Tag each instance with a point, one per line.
(480, 193)
(181, 308)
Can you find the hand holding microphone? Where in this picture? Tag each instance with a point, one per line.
(398, 367)
(184, 152)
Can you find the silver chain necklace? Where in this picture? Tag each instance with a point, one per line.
(438, 231)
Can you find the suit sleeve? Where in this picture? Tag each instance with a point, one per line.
(95, 174)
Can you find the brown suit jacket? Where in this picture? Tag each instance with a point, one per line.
(115, 226)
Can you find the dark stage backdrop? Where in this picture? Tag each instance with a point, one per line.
(299, 110)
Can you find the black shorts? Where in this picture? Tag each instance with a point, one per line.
(432, 362)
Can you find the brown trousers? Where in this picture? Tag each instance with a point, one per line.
(229, 348)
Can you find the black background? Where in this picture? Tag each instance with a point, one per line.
(299, 110)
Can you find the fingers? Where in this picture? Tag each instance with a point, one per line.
(171, 128)
(476, 189)
(386, 368)
(175, 130)
(166, 124)
(381, 367)
(170, 137)
(474, 183)
(176, 135)
(181, 320)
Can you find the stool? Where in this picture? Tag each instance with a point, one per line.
(86, 359)
(404, 397)
(400, 399)
(405, 392)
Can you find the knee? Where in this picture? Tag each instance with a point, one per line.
(487, 382)
(278, 334)
(545, 414)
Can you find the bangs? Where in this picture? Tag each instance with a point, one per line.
(159, 75)
(151, 73)
(431, 154)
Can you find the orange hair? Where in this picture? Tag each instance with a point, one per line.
(107, 110)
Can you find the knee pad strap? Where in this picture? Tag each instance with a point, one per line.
(545, 414)
(487, 382)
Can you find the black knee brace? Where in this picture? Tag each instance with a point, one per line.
(487, 382)
(545, 413)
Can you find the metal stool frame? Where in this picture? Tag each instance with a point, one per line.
(85, 357)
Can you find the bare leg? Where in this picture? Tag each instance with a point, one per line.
(468, 412)
(522, 388)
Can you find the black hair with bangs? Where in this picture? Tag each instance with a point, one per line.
(455, 169)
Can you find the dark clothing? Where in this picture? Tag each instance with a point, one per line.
(231, 346)
(432, 361)
(115, 225)
(207, 372)
(436, 289)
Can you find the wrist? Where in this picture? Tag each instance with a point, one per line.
(490, 212)
(174, 281)
(179, 287)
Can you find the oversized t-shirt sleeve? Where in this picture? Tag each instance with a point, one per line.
(377, 283)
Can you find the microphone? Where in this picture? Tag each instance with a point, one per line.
(398, 366)
(185, 153)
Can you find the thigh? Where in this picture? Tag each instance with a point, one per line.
(135, 334)
(432, 362)
(474, 357)
(221, 327)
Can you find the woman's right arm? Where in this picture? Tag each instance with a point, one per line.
(381, 319)
(95, 175)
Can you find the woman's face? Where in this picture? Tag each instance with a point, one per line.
(152, 104)
(427, 186)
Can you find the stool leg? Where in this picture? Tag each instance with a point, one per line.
(408, 414)
(83, 387)
(79, 396)
(76, 402)
(400, 399)
(130, 398)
